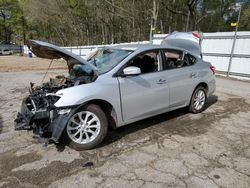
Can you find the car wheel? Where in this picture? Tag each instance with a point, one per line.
(198, 100)
(86, 128)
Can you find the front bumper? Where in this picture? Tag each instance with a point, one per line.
(24, 118)
(41, 122)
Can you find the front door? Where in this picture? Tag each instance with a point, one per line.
(146, 94)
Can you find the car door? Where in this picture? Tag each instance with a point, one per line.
(182, 76)
(146, 94)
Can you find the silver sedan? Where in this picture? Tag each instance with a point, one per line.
(115, 87)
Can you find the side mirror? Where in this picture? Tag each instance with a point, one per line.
(131, 71)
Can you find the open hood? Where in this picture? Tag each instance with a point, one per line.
(188, 41)
(46, 50)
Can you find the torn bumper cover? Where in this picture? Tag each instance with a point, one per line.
(48, 121)
(24, 118)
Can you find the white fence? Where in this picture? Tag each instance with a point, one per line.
(84, 50)
(216, 48)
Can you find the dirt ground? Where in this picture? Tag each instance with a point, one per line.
(176, 149)
(24, 63)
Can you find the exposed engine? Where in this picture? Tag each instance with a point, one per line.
(38, 111)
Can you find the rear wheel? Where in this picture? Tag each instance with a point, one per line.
(86, 128)
(198, 100)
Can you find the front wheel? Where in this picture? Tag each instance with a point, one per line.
(198, 100)
(86, 128)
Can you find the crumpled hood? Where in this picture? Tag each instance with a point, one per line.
(49, 51)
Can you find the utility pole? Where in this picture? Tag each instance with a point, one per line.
(150, 33)
(234, 41)
(186, 29)
(162, 30)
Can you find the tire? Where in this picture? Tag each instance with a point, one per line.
(89, 134)
(198, 100)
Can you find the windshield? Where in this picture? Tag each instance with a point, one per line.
(107, 59)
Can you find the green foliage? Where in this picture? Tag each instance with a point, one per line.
(11, 21)
(245, 18)
(73, 3)
(79, 22)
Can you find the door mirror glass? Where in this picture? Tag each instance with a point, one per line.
(131, 71)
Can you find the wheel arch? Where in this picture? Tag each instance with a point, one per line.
(107, 108)
(202, 84)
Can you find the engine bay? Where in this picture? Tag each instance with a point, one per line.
(38, 112)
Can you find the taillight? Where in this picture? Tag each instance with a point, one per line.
(196, 35)
(213, 69)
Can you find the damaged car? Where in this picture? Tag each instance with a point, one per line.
(117, 86)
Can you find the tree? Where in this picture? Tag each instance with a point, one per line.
(245, 19)
(10, 21)
(80, 22)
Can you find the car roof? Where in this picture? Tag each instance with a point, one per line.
(145, 47)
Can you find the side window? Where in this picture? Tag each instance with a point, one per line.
(177, 59)
(190, 60)
(148, 62)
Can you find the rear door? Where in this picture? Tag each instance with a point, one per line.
(182, 76)
(146, 94)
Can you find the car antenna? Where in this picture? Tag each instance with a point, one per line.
(47, 70)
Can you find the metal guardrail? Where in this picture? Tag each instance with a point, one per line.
(227, 37)
(233, 74)
(227, 55)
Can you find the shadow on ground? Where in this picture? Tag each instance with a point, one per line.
(170, 123)
(174, 122)
(211, 100)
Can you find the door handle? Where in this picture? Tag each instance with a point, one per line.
(161, 81)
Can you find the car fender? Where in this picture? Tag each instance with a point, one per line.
(104, 88)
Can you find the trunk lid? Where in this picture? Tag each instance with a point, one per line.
(189, 41)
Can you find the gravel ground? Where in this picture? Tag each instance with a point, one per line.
(176, 149)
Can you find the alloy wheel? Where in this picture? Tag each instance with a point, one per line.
(83, 127)
(199, 99)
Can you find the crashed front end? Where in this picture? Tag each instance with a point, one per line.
(38, 112)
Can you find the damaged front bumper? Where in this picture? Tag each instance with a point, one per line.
(49, 122)
(24, 118)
